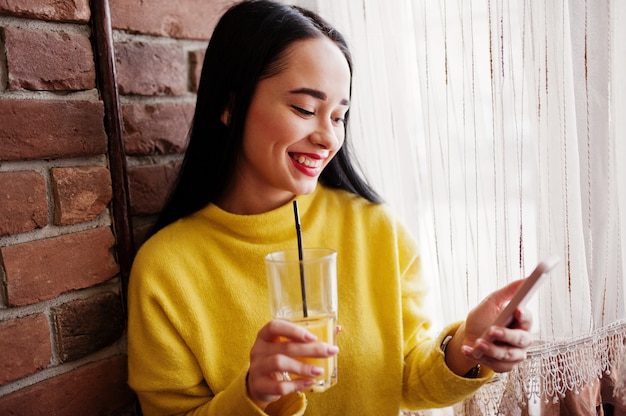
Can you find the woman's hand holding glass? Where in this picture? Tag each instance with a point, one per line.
(273, 357)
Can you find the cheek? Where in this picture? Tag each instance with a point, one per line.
(342, 137)
(264, 125)
(340, 133)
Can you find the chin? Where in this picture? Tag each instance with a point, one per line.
(306, 190)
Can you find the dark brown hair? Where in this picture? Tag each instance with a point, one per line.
(248, 44)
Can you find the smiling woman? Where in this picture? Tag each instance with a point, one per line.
(293, 129)
(225, 93)
(270, 128)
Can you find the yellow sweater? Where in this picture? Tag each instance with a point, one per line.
(198, 297)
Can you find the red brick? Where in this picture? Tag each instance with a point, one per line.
(49, 61)
(150, 187)
(167, 18)
(151, 68)
(23, 205)
(98, 388)
(196, 59)
(156, 128)
(80, 194)
(43, 269)
(24, 347)
(37, 129)
(54, 10)
(88, 325)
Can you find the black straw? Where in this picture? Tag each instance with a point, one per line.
(300, 258)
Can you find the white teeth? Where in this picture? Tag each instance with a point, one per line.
(309, 163)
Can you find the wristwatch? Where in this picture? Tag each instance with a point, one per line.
(473, 372)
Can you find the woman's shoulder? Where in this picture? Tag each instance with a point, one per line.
(347, 199)
(375, 224)
(169, 242)
(344, 210)
(353, 204)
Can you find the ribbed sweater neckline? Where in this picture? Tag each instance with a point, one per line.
(265, 227)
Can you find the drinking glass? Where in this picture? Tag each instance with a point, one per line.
(305, 292)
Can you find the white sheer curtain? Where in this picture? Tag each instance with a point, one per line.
(497, 129)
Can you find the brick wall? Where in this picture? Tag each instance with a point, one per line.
(62, 342)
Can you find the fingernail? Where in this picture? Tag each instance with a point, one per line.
(333, 349)
(317, 371)
(497, 332)
(482, 345)
(309, 337)
(467, 351)
(471, 353)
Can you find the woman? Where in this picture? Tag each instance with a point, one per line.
(270, 126)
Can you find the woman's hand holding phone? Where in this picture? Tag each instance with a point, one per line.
(530, 285)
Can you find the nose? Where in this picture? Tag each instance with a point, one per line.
(328, 136)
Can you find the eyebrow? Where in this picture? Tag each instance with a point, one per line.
(320, 95)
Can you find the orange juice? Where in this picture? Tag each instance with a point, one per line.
(302, 283)
(323, 327)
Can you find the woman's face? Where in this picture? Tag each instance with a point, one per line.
(293, 129)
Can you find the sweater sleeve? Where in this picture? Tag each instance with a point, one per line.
(232, 401)
(427, 380)
(163, 371)
(429, 383)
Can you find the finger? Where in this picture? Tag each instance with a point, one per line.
(279, 364)
(268, 385)
(296, 385)
(500, 343)
(503, 358)
(523, 319)
(518, 338)
(271, 388)
(497, 365)
(265, 384)
(277, 328)
(488, 352)
(507, 292)
(310, 350)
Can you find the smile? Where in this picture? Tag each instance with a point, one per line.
(306, 161)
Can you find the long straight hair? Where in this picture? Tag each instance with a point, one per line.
(249, 44)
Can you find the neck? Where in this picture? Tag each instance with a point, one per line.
(242, 203)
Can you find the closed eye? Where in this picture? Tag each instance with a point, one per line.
(303, 111)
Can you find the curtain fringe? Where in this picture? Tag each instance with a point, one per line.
(552, 370)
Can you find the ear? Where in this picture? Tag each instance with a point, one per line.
(225, 118)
